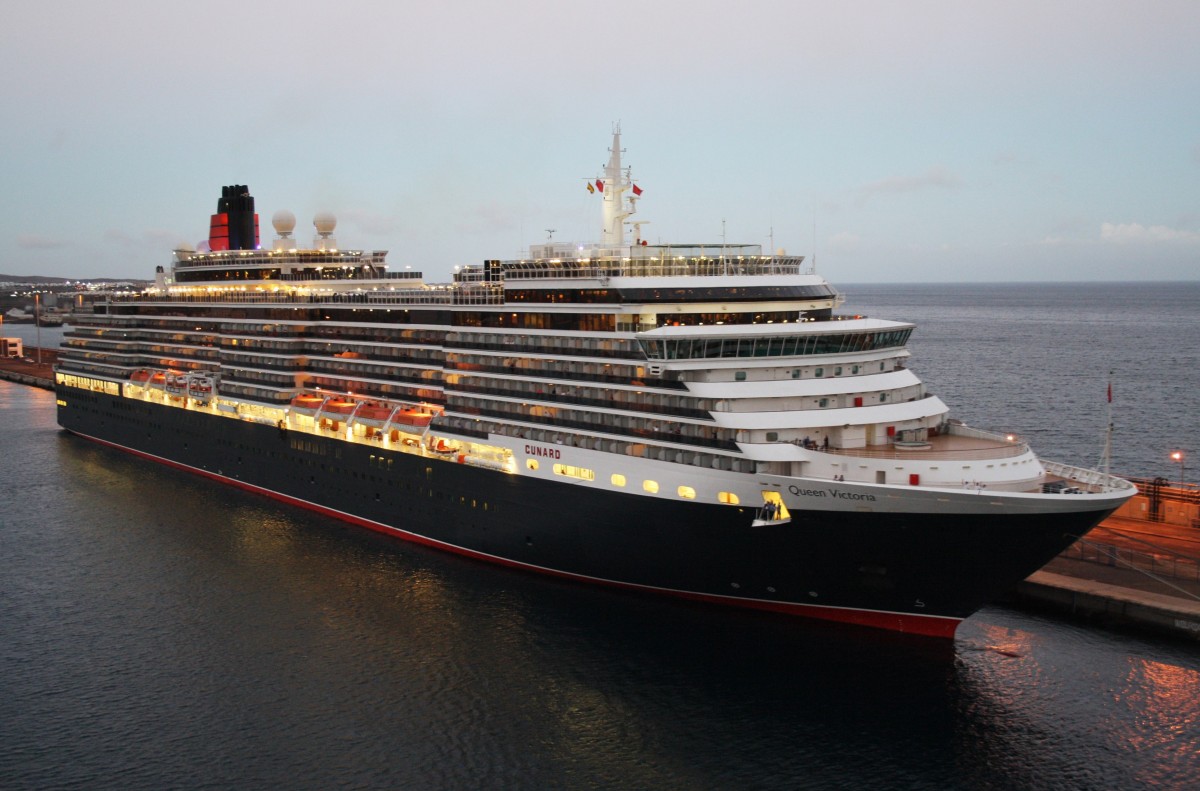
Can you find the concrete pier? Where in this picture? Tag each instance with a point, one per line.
(31, 373)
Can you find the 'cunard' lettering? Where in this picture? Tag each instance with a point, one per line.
(546, 453)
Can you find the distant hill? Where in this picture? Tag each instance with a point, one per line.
(42, 280)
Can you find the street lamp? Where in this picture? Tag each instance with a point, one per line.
(1177, 455)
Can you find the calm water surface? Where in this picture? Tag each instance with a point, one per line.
(162, 632)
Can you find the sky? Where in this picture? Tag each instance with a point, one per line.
(896, 141)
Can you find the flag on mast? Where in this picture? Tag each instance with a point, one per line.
(591, 189)
(637, 190)
(600, 185)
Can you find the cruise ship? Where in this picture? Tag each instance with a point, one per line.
(692, 420)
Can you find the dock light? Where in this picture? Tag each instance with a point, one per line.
(1010, 438)
(1177, 455)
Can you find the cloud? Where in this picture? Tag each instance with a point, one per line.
(34, 242)
(936, 177)
(1126, 233)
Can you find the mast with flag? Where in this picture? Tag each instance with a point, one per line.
(1106, 458)
(613, 186)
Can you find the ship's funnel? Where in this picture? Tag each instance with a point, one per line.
(235, 225)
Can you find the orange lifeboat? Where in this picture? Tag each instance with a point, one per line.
(341, 407)
(307, 401)
(413, 417)
(374, 412)
(140, 376)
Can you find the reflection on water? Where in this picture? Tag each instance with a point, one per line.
(1060, 701)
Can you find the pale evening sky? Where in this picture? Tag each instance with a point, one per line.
(905, 141)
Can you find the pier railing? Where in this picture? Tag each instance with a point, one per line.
(1161, 565)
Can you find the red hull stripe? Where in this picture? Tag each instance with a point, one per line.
(908, 623)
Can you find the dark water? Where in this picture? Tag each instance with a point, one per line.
(158, 631)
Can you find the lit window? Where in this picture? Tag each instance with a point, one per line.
(531, 464)
(569, 471)
(650, 486)
(618, 479)
(687, 492)
(729, 498)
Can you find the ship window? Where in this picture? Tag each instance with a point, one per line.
(882, 397)
(687, 492)
(531, 464)
(650, 486)
(739, 376)
(854, 370)
(819, 372)
(618, 479)
(729, 498)
(837, 371)
(795, 373)
(569, 471)
(772, 436)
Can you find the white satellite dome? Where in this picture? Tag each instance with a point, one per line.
(324, 222)
(284, 222)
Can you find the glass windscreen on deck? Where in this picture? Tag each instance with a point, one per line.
(773, 345)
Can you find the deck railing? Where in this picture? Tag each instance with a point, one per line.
(1095, 478)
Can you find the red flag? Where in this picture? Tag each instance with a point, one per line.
(637, 190)
(600, 185)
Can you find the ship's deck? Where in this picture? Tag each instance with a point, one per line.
(943, 446)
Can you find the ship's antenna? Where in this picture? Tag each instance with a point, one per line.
(814, 241)
(550, 233)
(724, 258)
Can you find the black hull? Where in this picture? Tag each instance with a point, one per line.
(917, 573)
